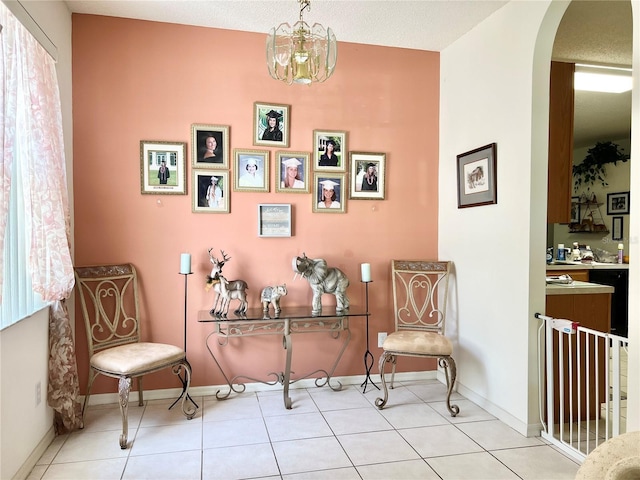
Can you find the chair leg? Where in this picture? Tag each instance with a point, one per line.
(124, 386)
(393, 370)
(140, 394)
(384, 358)
(450, 373)
(92, 376)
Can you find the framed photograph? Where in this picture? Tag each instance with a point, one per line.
(163, 170)
(477, 177)
(329, 151)
(271, 124)
(274, 220)
(575, 210)
(367, 175)
(617, 228)
(618, 203)
(293, 174)
(329, 192)
(210, 191)
(210, 146)
(250, 170)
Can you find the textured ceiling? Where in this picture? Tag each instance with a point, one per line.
(598, 32)
(419, 24)
(591, 31)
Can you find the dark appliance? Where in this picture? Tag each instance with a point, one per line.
(619, 280)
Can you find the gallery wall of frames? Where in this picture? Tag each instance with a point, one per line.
(329, 173)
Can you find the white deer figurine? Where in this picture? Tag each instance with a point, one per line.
(227, 295)
(214, 280)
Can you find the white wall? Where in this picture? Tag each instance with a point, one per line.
(487, 85)
(633, 399)
(495, 88)
(24, 362)
(24, 347)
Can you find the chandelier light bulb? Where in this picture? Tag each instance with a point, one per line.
(301, 54)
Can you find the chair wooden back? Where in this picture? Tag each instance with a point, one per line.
(109, 300)
(420, 291)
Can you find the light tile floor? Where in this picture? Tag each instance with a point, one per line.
(327, 434)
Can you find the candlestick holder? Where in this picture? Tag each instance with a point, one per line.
(368, 356)
(184, 380)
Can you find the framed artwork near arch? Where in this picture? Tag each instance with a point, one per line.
(477, 177)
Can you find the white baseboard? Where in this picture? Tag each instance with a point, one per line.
(531, 430)
(24, 471)
(528, 430)
(210, 390)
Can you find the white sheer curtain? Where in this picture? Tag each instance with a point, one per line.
(32, 137)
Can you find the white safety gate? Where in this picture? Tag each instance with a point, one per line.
(583, 385)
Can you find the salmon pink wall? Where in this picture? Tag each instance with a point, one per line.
(136, 80)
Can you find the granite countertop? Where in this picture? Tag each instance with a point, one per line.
(568, 265)
(577, 288)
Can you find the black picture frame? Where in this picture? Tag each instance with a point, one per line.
(477, 177)
(618, 203)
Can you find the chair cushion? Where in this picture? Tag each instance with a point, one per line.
(417, 342)
(136, 358)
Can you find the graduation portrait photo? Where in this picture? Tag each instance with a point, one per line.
(329, 193)
(292, 170)
(270, 124)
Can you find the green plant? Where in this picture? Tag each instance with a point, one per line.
(592, 169)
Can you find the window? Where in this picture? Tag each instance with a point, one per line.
(18, 298)
(33, 207)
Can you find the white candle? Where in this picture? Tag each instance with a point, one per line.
(185, 263)
(365, 272)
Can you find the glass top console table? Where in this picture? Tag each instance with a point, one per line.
(292, 320)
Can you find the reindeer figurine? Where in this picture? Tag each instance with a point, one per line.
(225, 290)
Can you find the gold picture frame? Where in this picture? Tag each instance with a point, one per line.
(163, 170)
(288, 160)
(209, 195)
(250, 170)
(337, 183)
(203, 136)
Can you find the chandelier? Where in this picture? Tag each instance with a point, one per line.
(301, 54)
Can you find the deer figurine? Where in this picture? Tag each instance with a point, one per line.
(227, 295)
(221, 300)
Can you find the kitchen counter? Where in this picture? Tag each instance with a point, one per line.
(588, 266)
(577, 288)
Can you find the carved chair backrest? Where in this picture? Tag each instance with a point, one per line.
(420, 291)
(109, 300)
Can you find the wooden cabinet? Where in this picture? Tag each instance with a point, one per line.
(591, 311)
(560, 174)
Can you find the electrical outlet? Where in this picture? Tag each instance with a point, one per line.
(381, 337)
(38, 393)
